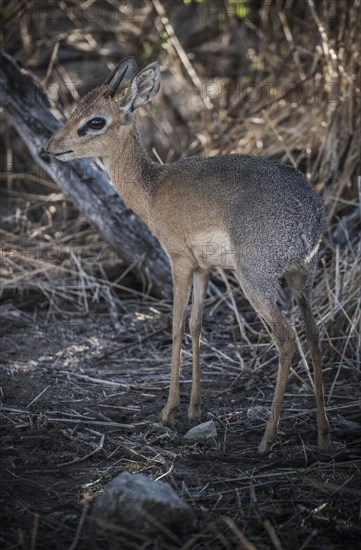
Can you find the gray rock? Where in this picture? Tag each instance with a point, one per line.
(137, 503)
(202, 432)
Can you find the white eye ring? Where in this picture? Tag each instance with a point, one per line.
(96, 123)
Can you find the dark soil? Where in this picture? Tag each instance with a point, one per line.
(54, 418)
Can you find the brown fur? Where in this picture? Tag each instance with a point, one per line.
(241, 212)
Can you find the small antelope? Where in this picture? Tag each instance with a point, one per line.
(245, 213)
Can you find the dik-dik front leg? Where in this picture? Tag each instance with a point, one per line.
(200, 284)
(182, 279)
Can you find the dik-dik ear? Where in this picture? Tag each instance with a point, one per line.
(140, 90)
(145, 85)
(125, 70)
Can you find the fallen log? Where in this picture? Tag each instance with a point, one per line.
(82, 181)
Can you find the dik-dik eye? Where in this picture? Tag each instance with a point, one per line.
(96, 123)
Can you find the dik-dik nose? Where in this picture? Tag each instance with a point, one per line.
(51, 147)
(56, 148)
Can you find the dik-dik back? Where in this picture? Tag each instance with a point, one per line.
(238, 208)
(245, 213)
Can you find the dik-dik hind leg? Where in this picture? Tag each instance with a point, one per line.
(284, 338)
(323, 426)
(301, 290)
(200, 284)
(182, 278)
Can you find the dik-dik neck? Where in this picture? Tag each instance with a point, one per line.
(133, 174)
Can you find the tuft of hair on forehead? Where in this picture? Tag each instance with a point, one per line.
(96, 96)
(89, 99)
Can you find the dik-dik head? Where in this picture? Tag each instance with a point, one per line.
(104, 113)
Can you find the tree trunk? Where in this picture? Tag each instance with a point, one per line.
(82, 181)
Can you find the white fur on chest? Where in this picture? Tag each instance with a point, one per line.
(213, 248)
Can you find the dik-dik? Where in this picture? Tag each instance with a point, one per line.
(245, 213)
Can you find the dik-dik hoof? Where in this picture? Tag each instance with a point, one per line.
(265, 446)
(324, 442)
(194, 412)
(167, 415)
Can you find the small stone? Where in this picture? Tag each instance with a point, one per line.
(202, 432)
(135, 502)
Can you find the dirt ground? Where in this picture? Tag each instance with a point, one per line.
(81, 403)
